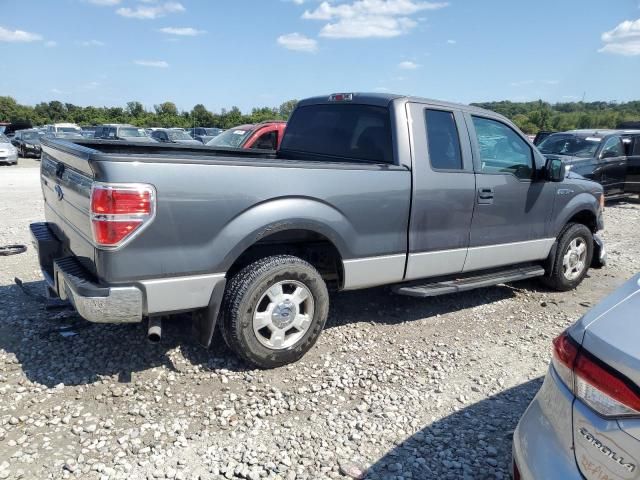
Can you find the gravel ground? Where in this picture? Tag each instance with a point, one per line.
(396, 388)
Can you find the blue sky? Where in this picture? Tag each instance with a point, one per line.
(261, 52)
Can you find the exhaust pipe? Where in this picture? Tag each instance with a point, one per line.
(154, 334)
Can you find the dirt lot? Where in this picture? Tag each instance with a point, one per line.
(406, 388)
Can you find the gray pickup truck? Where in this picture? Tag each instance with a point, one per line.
(366, 190)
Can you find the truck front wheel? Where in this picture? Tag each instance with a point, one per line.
(573, 258)
(274, 310)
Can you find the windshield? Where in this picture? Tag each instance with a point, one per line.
(31, 136)
(131, 132)
(69, 129)
(571, 145)
(178, 135)
(3, 139)
(234, 137)
(212, 131)
(345, 131)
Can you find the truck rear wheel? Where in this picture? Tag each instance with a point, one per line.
(274, 310)
(573, 258)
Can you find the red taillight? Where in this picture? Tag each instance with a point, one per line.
(605, 390)
(109, 233)
(516, 471)
(119, 211)
(111, 201)
(565, 351)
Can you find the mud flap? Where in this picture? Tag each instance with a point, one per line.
(205, 319)
(599, 259)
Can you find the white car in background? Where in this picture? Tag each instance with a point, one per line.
(8, 153)
(64, 130)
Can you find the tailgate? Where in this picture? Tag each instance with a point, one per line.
(66, 187)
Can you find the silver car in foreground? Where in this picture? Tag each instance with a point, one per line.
(585, 420)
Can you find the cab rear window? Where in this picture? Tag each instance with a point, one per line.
(346, 132)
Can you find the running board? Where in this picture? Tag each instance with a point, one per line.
(435, 288)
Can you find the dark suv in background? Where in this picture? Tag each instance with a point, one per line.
(609, 157)
(125, 132)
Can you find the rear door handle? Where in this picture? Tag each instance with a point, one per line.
(485, 196)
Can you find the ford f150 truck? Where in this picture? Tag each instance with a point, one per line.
(366, 190)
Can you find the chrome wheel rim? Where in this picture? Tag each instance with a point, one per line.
(574, 260)
(283, 314)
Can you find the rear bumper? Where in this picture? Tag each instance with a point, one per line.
(95, 303)
(70, 281)
(121, 303)
(543, 439)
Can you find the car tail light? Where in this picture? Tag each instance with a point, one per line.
(565, 351)
(516, 471)
(605, 390)
(119, 212)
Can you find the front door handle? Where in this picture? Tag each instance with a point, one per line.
(485, 196)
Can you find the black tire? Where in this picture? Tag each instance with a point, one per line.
(247, 287)
(556, 278)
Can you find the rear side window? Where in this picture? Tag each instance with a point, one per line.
(502, 150)
(443, 141)
(341, 131)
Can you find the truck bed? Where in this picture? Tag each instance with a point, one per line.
(212, 204)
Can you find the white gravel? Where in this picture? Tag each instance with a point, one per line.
(396, 388)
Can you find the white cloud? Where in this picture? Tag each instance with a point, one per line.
(105, 3)
(152, 63)
(408, 65)
(182, 31)
(7, 35)
(451, 42)
(91, 85)
(151, 12)
(298, 42)
(623, 40)
(51, 44)
(526, 83)
(369, 18)
(92, 43)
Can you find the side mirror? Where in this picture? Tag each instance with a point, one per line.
(554, 170)
(608, 154)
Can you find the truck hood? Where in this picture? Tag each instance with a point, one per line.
(611, 330)
(568, 159)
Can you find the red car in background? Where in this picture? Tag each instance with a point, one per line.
(264, 135)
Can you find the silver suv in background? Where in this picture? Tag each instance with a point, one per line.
(585, 420)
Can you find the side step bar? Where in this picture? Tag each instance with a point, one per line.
(442, 287)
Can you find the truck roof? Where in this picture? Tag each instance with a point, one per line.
(383, 100)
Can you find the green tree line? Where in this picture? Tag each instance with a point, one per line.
(165, 114)
(529, 116)
(534, 116)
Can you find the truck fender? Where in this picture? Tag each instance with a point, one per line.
(277, 215)
(581, 202)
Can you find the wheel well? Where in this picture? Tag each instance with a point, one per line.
(313, 247)
(587, 218)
